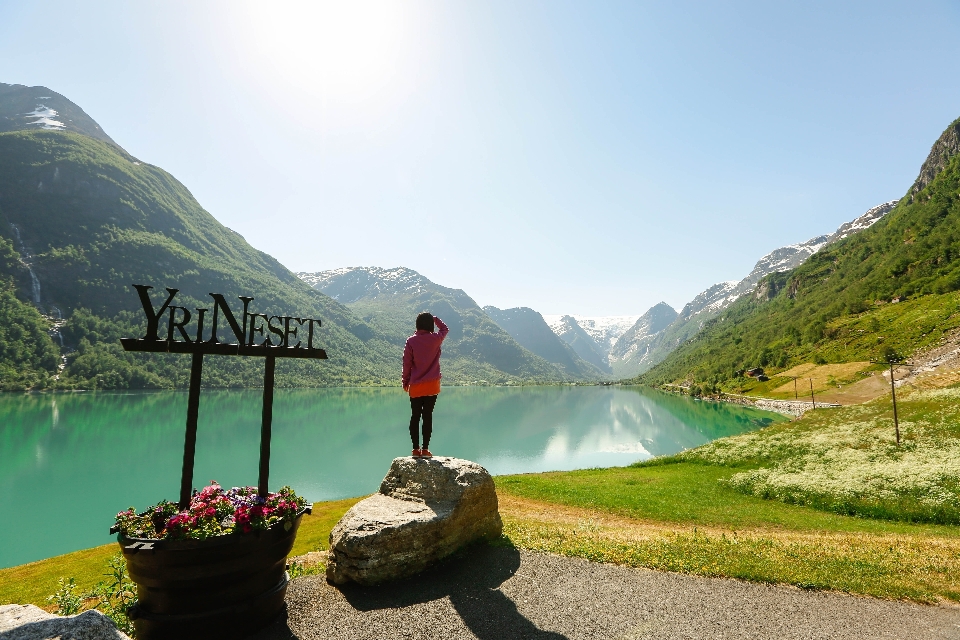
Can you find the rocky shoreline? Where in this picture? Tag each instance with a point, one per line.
(794, 408)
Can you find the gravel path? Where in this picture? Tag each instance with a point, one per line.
(502, 593)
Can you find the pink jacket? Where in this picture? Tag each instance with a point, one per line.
(421, 355)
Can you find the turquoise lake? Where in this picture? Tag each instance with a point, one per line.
(69, 462)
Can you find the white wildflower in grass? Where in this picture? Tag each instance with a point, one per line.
(847, 460)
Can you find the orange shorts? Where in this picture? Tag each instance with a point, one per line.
(426, 388)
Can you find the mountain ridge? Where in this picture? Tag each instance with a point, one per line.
(634, 344)
(642, 354)
(583, 344)
(24, 108)
(85, 220)
(477, 350)
(827, 308)
(528, 328)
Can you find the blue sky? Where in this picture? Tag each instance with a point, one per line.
(590, 158)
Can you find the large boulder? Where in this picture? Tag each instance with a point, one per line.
(426, 509)
(28, 622)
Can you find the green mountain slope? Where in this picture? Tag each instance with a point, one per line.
(531, 331)
(27, 354)
(834, 306)
(89, 220)
(478, 350)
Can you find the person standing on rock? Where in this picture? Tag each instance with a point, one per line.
(421, 378)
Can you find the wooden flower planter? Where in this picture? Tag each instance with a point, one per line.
(223, 587)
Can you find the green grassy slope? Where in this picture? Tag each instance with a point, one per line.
(94, 220)
(913, 253)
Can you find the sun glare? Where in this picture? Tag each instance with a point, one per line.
(349, 54)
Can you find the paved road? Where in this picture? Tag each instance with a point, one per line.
(496, 593)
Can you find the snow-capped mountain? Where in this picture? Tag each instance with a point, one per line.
(479, 350)
(349, 284)
(639, 351)
(782, 259)
(585, 345)
(25, 108)
(635, 344)
(865, 221)
(605, 330)
(713, 298)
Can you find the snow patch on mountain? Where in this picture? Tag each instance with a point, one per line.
(605, 330)
(640, 336)
(45, 118)
(349, 284)
(865, 221)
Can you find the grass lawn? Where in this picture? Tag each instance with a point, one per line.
(828, 502)
(688, 494)
(679, 517)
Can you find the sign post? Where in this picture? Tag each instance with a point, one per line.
(273, 339)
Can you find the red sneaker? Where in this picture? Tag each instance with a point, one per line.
(425, 453)
(416, 453)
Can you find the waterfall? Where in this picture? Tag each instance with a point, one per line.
(25, 261)
(55, 331)
(58, 322)
(35, 284)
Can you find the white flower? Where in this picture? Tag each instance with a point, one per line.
(851, 454)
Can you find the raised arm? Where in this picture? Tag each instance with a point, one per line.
(443, 330)
(407, 366)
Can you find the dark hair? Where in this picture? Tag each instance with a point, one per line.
(425, 321)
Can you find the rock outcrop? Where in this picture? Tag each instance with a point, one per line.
(28, 622)
(426, 509)
(943, 150)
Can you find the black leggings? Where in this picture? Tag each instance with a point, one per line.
(422, 406)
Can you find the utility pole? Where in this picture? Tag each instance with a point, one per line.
(891, 360)
(795, 396)
(893, 394)
(812, 399)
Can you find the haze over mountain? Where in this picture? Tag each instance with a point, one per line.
(634, 344)
(815, 309)
(80, 220)
(583, 344)
(530, 329)
(478, 349)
